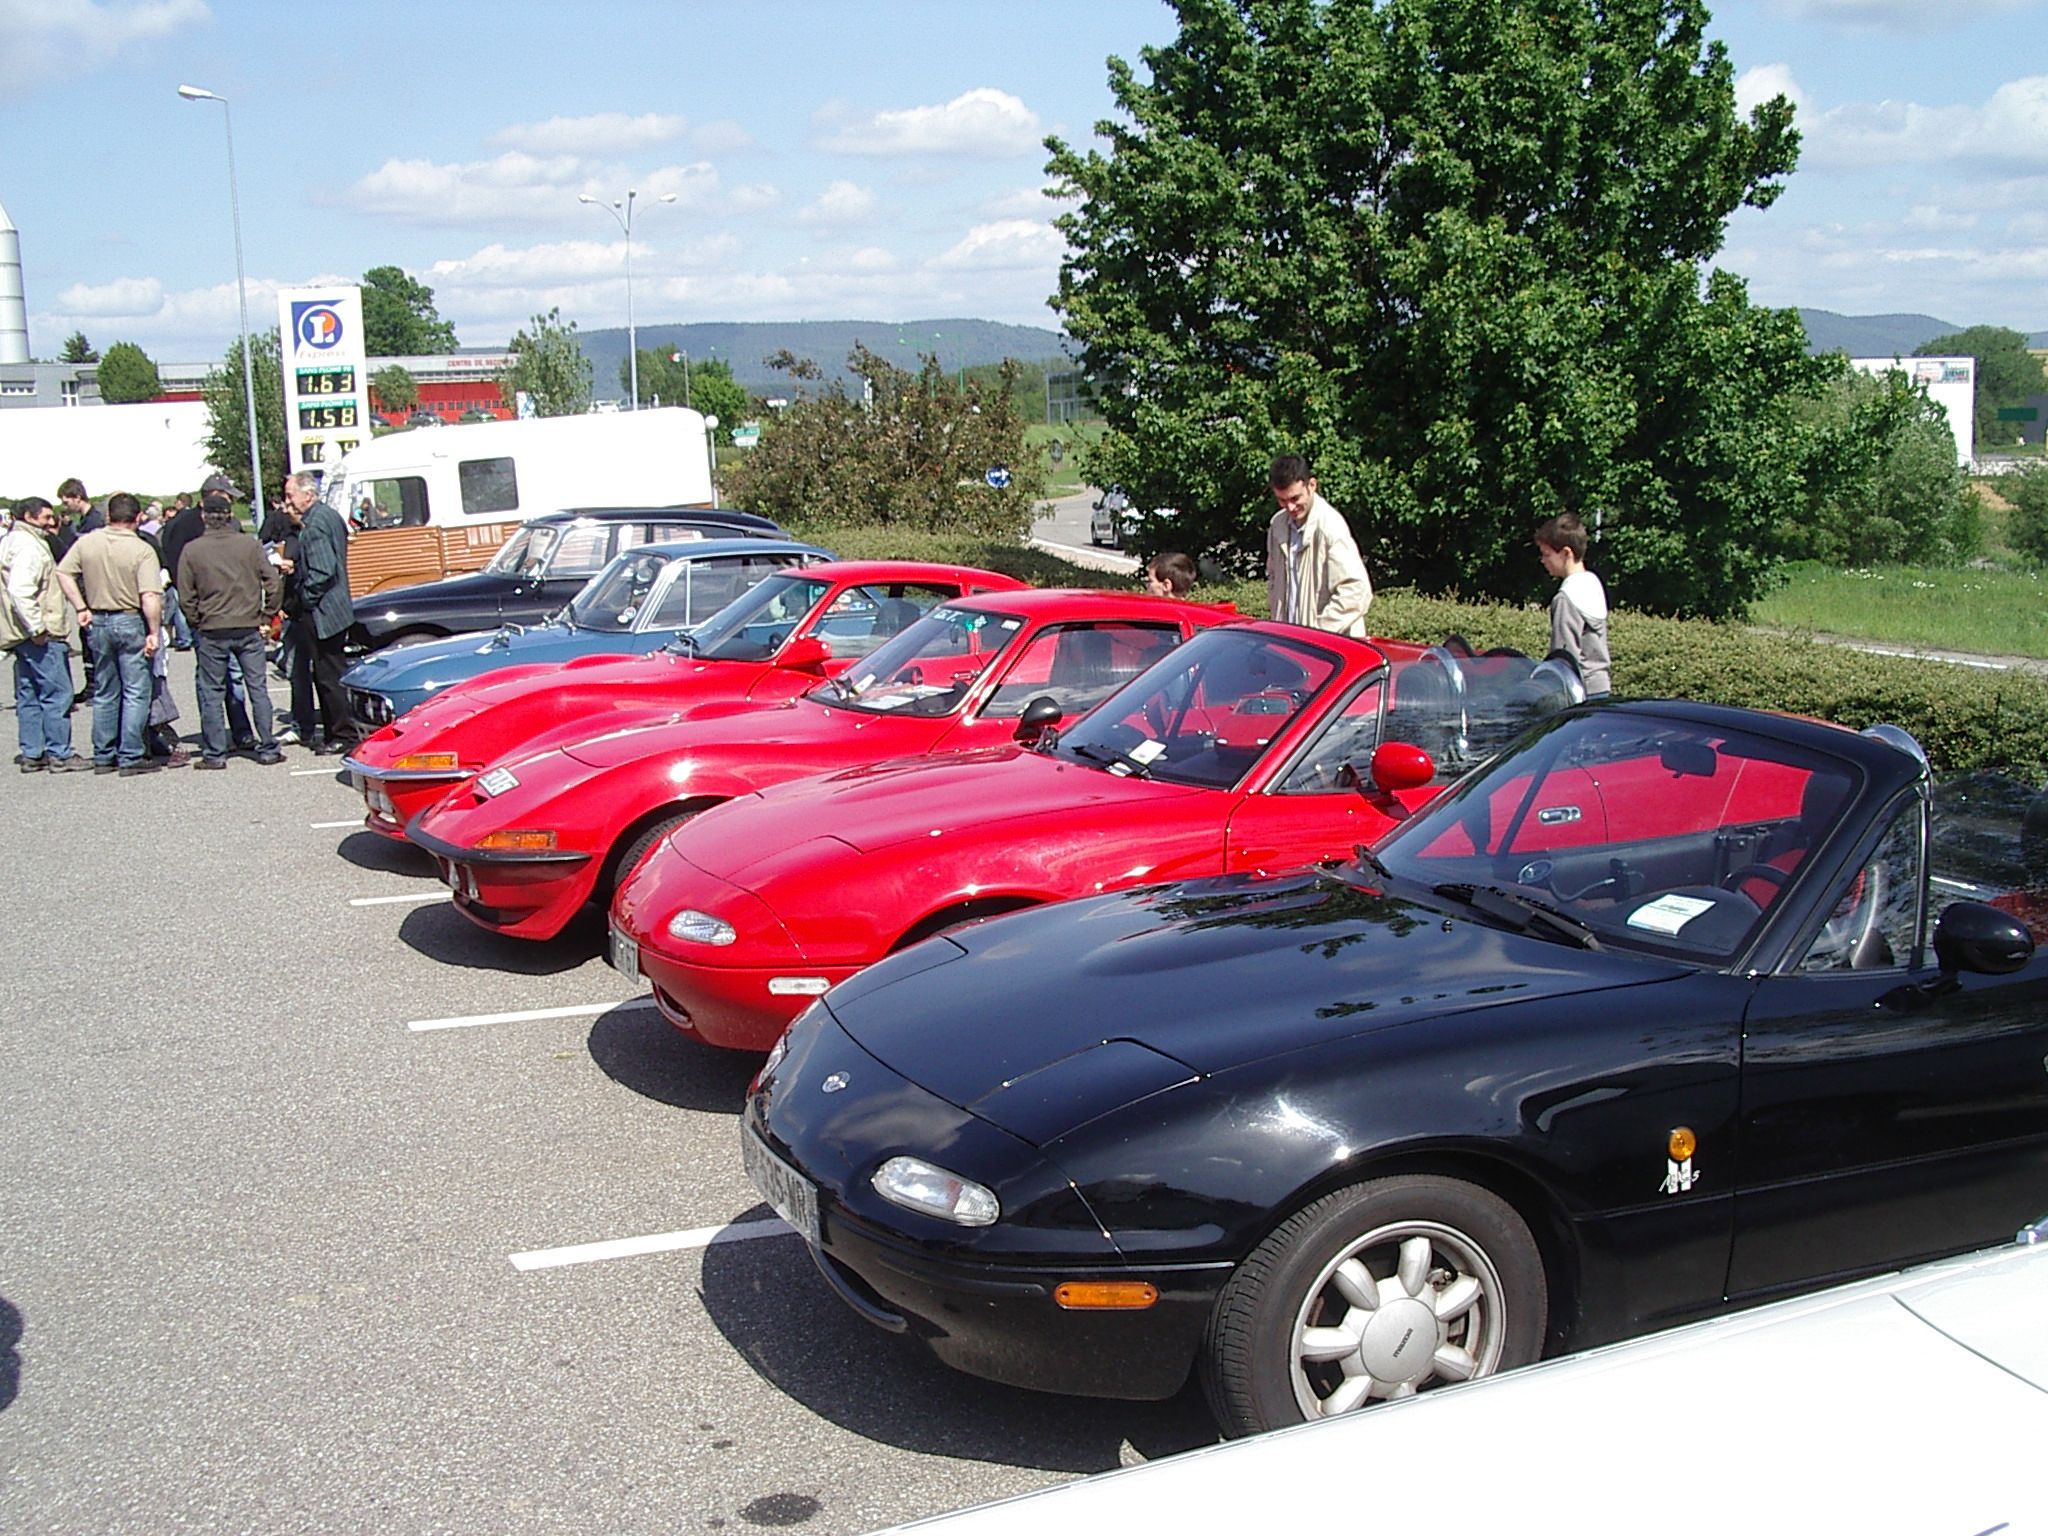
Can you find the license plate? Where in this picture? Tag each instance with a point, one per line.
(792, 1195)
(625, 954)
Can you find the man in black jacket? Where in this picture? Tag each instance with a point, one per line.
(218, 491)
(231, 590)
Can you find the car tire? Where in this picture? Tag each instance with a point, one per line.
(631, 853)
(1429, 1257)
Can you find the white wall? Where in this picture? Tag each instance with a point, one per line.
(150, 449)
(1950, 382)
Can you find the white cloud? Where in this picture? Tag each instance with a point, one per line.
(981, 122)
(1020, 203)
(47, 37)
(841, 203)
(1755, 86)
(515, 188)
(1899, 15)
(600, 133)
(123, 298)
(721, 136)
(1007, 245)
(754, 197)
(563, 261)
(2011, 128)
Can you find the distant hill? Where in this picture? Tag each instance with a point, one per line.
(1879, 335)
(958, 343)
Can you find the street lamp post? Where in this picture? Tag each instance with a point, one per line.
(622, 215)
(196, 93)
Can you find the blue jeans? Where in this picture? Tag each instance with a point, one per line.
(42, 699)
(174, 619)
(217, 650)
(120, 687)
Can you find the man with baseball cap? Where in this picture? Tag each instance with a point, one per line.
(219, 493)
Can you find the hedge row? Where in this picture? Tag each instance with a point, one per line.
(1966, 717)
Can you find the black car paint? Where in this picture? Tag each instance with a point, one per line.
(484, 600)
(1298, 1034)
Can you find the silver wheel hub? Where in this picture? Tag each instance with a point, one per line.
(1398, 1340)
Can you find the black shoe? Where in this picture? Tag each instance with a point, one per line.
(246, 744)
(333, 748)
(104, 767)
(270, 757)
(213, 763)
(132, 769)
(30, 764)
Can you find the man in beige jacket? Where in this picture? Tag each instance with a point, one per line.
(35, 628)
(1314, 576)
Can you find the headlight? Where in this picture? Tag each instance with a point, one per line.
(700, 928)
(930, 1190)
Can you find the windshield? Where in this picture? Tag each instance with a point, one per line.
(524, 551)
(927, 669)
(612, 599)
(1641, 832)
(1207, 713)
(752, 626)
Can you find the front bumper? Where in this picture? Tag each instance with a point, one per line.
(393, 797)
(731, 1006)
(519, 894)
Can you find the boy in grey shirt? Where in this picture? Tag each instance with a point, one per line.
(1578, 614)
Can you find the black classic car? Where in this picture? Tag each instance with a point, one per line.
(1670, 1007)
(539, 569)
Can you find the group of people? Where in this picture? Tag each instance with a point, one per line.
(120, 581)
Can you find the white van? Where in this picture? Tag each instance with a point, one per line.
(428, 504)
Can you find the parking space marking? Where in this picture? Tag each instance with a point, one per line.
(329, 826)
(315, 773)
(526, 1016)
(657, 1242)
(392, 901)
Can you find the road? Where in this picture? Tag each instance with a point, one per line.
(1062, 528)
(300, 1170)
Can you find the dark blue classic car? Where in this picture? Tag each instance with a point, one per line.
(538, 569)
(1668, 1008)
(638, 603)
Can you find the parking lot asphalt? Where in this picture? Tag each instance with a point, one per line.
(275, 1124)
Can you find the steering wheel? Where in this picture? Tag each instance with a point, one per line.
(1770, 874)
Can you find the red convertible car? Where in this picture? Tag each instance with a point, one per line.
(1255, 747)
(529, 841)
(768, 646)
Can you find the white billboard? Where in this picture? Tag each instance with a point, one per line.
(326, 373)
(1950, 382)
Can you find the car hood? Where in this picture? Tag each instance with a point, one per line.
(970, 797)
(777, 733)
(1204, 976)
(411, 666)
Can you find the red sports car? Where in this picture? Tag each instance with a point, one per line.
(1252, 747)
(770, 645)
(527, 842)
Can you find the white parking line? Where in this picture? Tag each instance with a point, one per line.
(658, 1242)
(315, 773)
(580, 1010)
(329, 826)
(393, 901)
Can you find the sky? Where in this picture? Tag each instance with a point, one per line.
(836, 159)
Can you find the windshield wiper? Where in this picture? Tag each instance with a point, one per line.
(1525, 914)
(1110, 758)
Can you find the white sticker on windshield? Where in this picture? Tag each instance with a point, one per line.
(1668, 914)
(1145, 751)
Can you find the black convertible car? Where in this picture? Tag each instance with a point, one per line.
(1660, 1011)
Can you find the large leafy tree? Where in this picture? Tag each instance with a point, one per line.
(399, 318)
(704, 384)
(548, 365)
(2007, 373)
(397, 389)
(127, 376)
(227, 416)
(912, 450)
(1453, 250)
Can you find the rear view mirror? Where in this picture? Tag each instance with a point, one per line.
(1975, 936)
(804, 652)
(1689, 759)
(1039, 715)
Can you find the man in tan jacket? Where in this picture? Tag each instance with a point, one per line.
(35, 628)
(1314, 575)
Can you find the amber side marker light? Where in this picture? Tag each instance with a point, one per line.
(1683, 1144)
(418, 760)
(517, 842)
(1106, 1295)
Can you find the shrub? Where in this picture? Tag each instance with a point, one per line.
(2026, 526)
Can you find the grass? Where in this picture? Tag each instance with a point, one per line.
(1985, 612)
(1063, 478)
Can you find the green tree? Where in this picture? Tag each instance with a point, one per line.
(1452, 250)
(127, 376)
(2006, 374)
(705, 384)
(549, 366)
(1881, 483)
(397, 389)
(78, 350)
(2027, 527)
(227, 417)
(399, 318)
(913, 451)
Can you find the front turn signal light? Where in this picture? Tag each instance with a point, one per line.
(1106, 1295)
(416, 761)
(1682, 1144)
(521, 841)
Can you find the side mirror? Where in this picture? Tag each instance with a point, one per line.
(1040, 715)
(1975, 936)
(1400, 765)
(804, 653)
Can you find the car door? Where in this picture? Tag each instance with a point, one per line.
(1881, 1123)
(1309, 812)
(580, 552)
